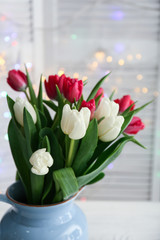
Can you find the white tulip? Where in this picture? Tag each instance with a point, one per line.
(75, 123)
(110, 126)
(40, 161)
(19, 106)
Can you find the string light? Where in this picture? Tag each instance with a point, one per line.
(83, 199)
(14, 43)
(29, 65)
(43, 78)
(3, 18)
(6, 137)
(138, 56)
(145, 90)
(137, 90)
(17, 66)
(121, 62)
(60, 72)
(139, 77)
(100, 56)
(76, 75)
(2, 61)
(7, 38)
(110, 166)
(129, 57)
(3, 94)
(74, 36)
(156, 93)
(84, 78)
(109, 59)
(7, 115)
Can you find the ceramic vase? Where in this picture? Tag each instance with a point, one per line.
(62, 221)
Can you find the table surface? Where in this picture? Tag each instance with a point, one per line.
(119, 220)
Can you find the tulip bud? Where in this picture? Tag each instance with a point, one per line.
(99, 92)
(50, 86)
(17, 80)
(124, 103)
(110, 126)
(40, 161)
(135, 126)
(90, 105)
(19, 106)
(74, 123)
(72, 89)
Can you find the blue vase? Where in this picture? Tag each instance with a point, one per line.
(62, 221)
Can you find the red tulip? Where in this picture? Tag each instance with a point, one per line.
(124, 103)
(17, 80)
(72, 89)
(135, 126)
(50, 86)
(91, 105)
(99, 92)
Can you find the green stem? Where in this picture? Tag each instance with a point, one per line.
(70, 153)
(55, 122)
(26, 95)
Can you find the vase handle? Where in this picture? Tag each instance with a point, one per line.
(3, 198)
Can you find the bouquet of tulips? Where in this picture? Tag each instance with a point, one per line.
(62, 144)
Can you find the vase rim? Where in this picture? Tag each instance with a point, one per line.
(40, 206)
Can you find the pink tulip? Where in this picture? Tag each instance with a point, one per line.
(124, 103)
(91, 105)
(135, 126)
(99, 92)
(50, 86)
(72, 89)
(17, 80)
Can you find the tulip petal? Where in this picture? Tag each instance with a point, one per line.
(110, 135)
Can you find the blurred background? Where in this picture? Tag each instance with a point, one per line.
(86, 39)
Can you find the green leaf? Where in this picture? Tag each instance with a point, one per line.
(46, 144)
(56, 150)
(18, 148)
(10, 105)
(60, 104)
(128, 110)
(37, 184)
(98, 178)
(112, 94)
(134, 140)
(30, 131)
(51, 104)
(97, 100)
(48, 117)
(67, 182)
(103, 161)
(86, 149)
(97, 86)
(40, 96)
(31, 91)
(79, 102)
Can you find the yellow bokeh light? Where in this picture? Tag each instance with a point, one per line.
(137, 90)
(43, 78)
(60, 72)
(138, 56)
(129, 57)
(84, 78)
(95, 64)
(156, 93)
(2, 61)
(76, 75)
(145, 90)
(121, 62)
(139, 77)
(109, 59)
(100, 56)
